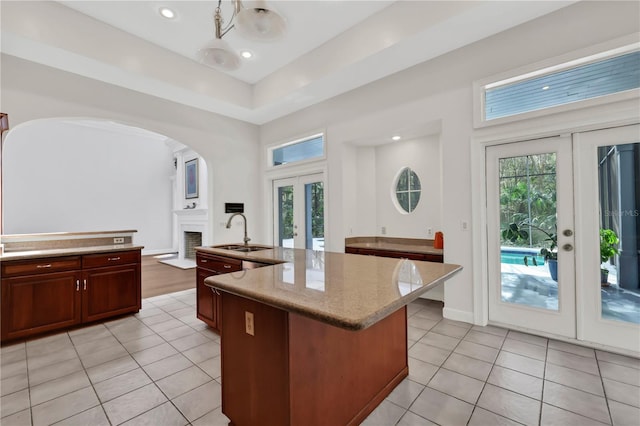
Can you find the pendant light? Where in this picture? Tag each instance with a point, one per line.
(257, 22)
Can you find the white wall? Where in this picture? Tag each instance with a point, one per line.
(422, 155)
(229, 147)
(440, 90)
(65, 177)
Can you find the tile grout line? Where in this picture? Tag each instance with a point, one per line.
(150, 378)
(486, 381)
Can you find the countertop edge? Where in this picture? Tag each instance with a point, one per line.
(355, 325)
(72, 251)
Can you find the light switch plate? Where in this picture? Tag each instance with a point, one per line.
(248, 323)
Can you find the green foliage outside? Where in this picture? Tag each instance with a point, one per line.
(608, 246)
(317, 210)
(528, 200)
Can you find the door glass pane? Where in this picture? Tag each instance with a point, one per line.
(619, 187)
(528, 252)
(314, 215)
(285, 216)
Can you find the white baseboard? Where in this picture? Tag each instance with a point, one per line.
(457, 315)
(154, 252)
(434, 294)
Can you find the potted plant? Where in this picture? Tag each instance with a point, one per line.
(514, 232)
(608, 248)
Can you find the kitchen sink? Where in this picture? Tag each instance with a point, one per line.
(242, 248)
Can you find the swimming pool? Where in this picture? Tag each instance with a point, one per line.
(515, 255)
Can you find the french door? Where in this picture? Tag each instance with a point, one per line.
(299, 212)
(530, 208)
(608, 172)
(561, 195)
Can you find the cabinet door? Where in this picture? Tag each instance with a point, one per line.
(207, 302)
(110, 291)
(39, 303)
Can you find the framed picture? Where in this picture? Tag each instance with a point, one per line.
(191, 179)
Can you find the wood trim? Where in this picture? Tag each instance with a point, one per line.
(296, 370)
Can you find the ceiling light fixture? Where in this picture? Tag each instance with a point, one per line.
(246, 54)
(396, 138)
(258, 22)
(167, 13)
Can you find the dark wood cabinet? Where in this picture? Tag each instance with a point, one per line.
(39, 303)
(208, 305)
(112, 289)
(396, 254)
(295, 370)
(47, 294)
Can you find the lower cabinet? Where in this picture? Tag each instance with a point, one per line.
(40, 303)
(208, 303)
(42, 295)
(395, 254)
(110, 291)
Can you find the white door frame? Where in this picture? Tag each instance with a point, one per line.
(563, 320)
(591, 326)
(299, 210)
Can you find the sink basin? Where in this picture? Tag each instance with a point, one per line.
(241, 248)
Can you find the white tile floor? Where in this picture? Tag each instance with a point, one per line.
(162, 367)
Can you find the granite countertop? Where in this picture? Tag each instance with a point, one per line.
(345, 290)
(68, 251)
(407, 245)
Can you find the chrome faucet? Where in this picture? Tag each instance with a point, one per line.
(246, 238)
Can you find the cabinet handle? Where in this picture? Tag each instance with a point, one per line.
(48, 265)
(227, 266)
(77, 285)
(85, 285)
(114, 258)
(204, 260)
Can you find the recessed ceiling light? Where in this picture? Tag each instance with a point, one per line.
(545, 88)
(246, 54)
(167, 13)
(395, 138)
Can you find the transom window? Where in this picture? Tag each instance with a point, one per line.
(296, 151)
(596, 76)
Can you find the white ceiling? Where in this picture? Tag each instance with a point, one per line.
(330, 47)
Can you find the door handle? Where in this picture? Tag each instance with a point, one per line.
(295, 234)
(567, 247)
(567, 232)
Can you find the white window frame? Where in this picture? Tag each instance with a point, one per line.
(271, 148)
(595, 53)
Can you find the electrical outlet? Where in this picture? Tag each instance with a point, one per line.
(464, 225)
(118, 240)
(430, 232)
(384, 230)
(248, 323)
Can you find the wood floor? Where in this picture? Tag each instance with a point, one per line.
(158, 278)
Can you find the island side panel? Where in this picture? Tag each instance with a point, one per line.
(338, 376)
(255, 388)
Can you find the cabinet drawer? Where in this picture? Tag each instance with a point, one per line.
(219, 264)
(40, 266)
(110, 259)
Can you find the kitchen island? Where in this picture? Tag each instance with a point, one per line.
(317, 338)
